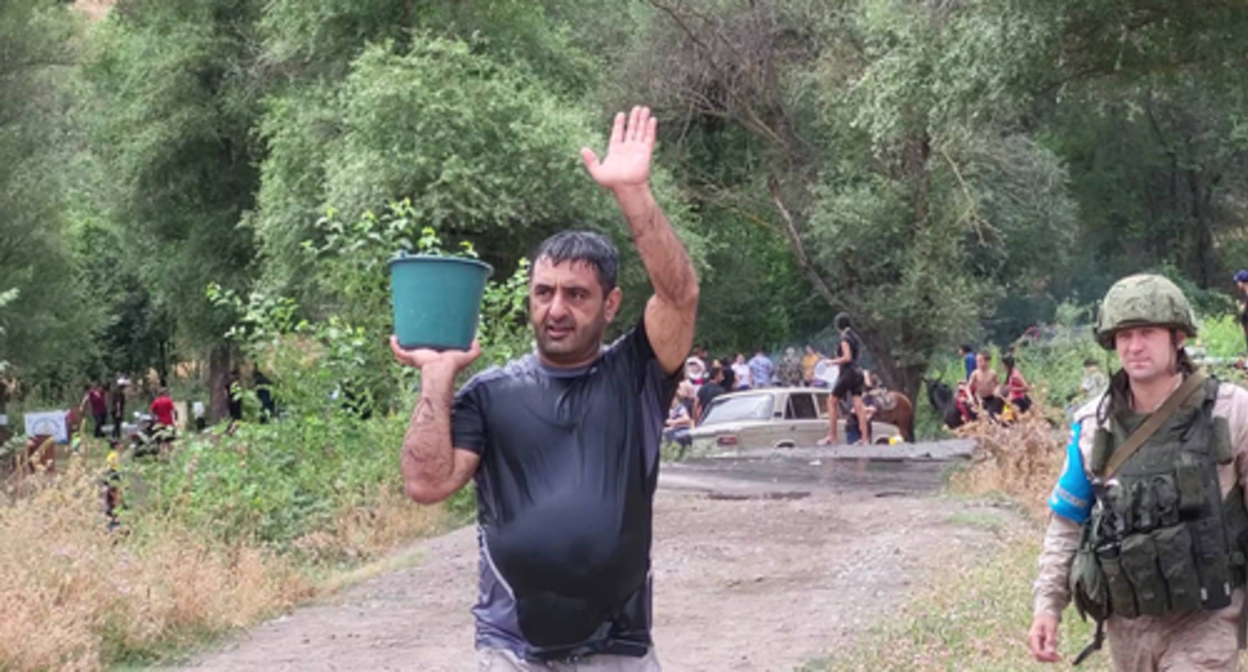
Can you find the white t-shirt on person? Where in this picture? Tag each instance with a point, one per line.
(742, 372)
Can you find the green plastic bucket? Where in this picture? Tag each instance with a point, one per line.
(436, 300)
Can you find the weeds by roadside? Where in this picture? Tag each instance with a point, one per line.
(226, 532)
(76, 596)
(971, 619)
(977, 618)
(1021, 460)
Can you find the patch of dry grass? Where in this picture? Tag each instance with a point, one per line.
(1021, 460)
(367, 530)
(76, 597)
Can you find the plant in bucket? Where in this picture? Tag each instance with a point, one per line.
(437, 296)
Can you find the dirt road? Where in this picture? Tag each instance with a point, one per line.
(759, 564)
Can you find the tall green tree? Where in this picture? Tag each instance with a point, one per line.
(833, 124)
(473, 114)
(448, 80)
(45, 324)
(479, 147)
(176, 98)
(1143, 101)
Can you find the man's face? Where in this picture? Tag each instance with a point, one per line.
(569, 311)
(981, 362)
(1146, 353)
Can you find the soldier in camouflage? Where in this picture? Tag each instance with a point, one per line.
(1151, 544)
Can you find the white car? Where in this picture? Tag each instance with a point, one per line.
(774, 417)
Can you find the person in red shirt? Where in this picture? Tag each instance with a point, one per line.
(162, 407)
(97, 399)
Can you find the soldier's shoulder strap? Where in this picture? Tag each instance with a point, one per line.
(1153, 423)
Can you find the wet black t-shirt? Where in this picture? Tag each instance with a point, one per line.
(569, 465)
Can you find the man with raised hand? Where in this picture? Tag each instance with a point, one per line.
(563, 443)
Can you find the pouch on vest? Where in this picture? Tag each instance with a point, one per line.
(1192, 497)
(1235, 514)
(1121, 517)
(1088, 585)
(1139, 563)
(1121, 596)
(1174, 556)
(1166, 495)
(1144, 506)
(1212, 563)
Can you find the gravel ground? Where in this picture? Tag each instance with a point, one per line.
(760, 563)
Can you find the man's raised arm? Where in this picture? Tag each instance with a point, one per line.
(672, 312)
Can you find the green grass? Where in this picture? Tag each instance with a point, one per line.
(973, 618)
(985, 520)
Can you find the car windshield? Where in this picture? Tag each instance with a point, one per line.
(735, 409)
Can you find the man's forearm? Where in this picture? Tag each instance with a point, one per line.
(428, 458)
(662, 252)
(1051, 590)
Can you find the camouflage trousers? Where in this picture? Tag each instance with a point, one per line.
(1199, 641)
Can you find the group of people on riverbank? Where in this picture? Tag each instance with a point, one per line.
(983, 393)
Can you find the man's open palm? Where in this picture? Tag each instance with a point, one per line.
(627, 163)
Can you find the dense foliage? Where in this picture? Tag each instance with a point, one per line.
(943, 172)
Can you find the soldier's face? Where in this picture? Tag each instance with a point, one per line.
(1147, 353)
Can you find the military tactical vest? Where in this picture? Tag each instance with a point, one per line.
(1161, 538)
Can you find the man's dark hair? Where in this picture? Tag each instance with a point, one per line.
(582, 246)
(716, 372)
(965, 349)
(842, 321)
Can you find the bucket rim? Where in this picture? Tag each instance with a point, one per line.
(403, 256)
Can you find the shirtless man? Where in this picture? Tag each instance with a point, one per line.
(985, 384)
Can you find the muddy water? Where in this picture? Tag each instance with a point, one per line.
(917, 469)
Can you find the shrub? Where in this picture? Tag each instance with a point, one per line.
(1221, 337)
(76, 596)
(1021, 460)
(292, 485)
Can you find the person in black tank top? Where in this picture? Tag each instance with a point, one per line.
(563, 443)
(850, 383)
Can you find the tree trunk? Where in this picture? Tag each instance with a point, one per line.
(1203, 262)
(905, 378)
(219, 362)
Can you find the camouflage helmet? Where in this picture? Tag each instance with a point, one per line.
(1143, 300)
